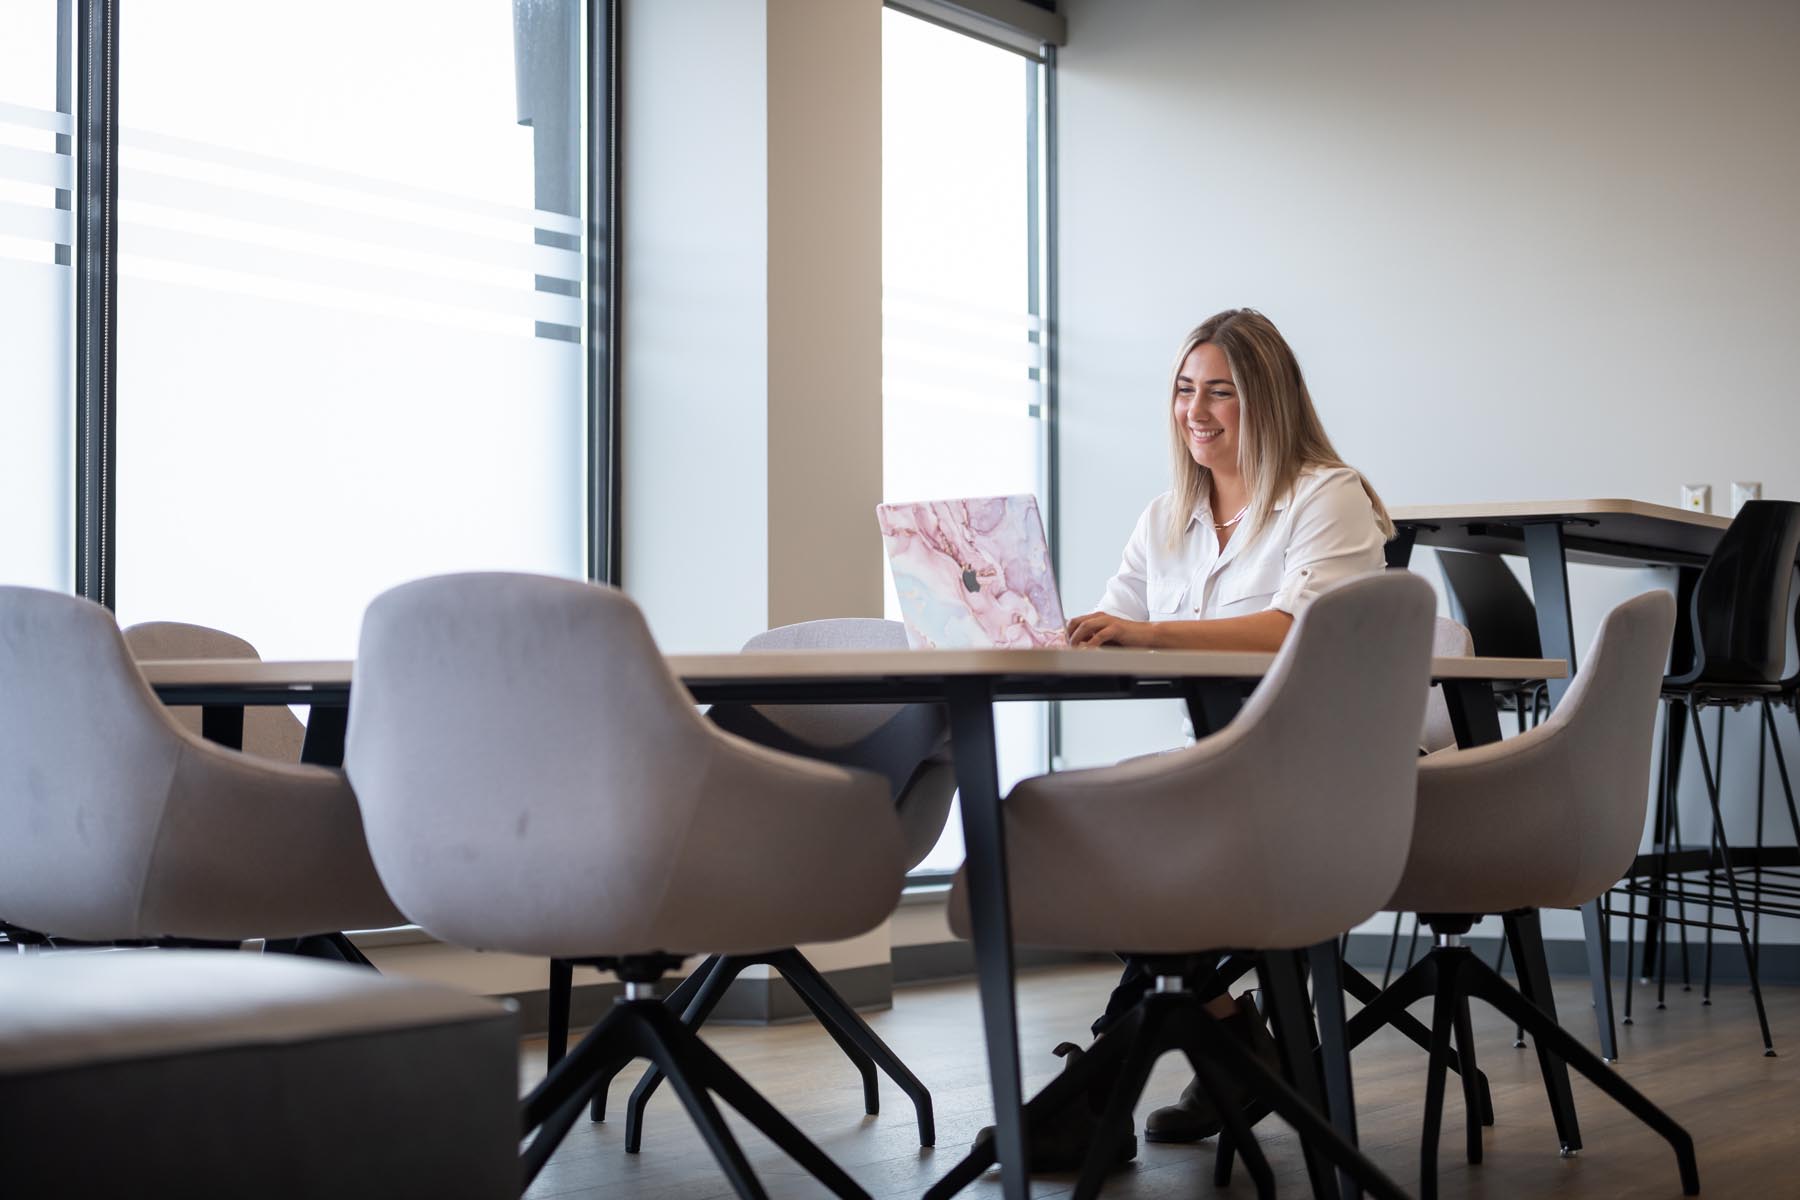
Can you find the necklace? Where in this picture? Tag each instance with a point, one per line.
(1234, 520)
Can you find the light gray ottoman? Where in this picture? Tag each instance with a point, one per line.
(200, 1074)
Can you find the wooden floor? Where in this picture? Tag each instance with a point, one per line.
(1704, 1066)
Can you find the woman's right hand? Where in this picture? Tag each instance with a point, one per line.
(1104, 629)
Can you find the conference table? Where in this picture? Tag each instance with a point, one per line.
(1551, 534)
(968, 683)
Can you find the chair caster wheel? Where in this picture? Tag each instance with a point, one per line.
(1770, 1054)
(1568, 1153)
(1519, 1045)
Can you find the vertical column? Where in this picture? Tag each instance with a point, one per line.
(824, 314)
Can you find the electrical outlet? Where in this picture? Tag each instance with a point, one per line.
(1741, 492)
(1697, 497)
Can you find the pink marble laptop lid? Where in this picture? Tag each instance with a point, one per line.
(973, 574)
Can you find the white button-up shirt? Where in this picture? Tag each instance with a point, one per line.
(1321, 534)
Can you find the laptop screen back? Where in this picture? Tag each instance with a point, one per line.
(973, 574)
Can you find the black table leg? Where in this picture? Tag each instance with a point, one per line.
(324, 743)
(1550, 594)
(1593, 925)
(1213, 703)
(1545, 551)
(971, 704)
(1474, 711)
(224, 724)
(1400, 547)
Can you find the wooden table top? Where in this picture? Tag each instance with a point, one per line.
(1607, 532)
(843, 666)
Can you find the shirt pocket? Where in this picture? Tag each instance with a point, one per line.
(1249, 586)
(1166, 598)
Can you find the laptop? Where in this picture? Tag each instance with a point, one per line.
(973, 574)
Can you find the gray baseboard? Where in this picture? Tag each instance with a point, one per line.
(1778, 964)
(772, 1002)
(941, 961)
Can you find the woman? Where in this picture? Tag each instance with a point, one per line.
(1263, 517)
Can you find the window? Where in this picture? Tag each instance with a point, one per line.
(965, 407)
(37, 282)
(350, 307)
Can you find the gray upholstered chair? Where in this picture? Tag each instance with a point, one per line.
(535, 780)
(270, 731)
(1448, 640)
(122, 825)
(909, 746)
(1550, 818)
(1277, 833)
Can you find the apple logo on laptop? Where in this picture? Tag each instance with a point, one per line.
(970, 583)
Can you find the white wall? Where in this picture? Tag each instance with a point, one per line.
(1528, 250)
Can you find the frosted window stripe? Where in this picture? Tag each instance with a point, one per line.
(989, 361)
(37, 223)
(37, 166)
(918, 375)
(36, 118)
(248, 259)
(258, 187)
(260, 211)
(947, 310)
(930, 344)
(1020, 327)
(520, 324)
(432, 252)
(345, 182)
(1008, 400)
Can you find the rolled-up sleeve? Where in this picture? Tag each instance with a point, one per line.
(1333, 536)
(1124, 596)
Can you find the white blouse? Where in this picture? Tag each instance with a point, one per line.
(1321, 534)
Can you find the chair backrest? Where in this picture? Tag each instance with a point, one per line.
(1605, 727)
(1486, 598)
(1448, 640)
(86, 755)
(269, 731)
(534, 778)
(1332, 734)
(908, 744)
(1550, 818)
(1300, 811)
(1739, 614)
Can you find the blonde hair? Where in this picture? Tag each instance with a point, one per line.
(1279, 432)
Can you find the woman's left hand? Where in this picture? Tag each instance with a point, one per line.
(1104, 629)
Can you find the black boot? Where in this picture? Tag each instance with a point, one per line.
(1060, 1142)
(1194, 1116)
